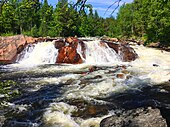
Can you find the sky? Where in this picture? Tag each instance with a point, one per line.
(100, 5)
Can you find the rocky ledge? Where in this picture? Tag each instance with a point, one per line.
(11, 46)
(141, 117)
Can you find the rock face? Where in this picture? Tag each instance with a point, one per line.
(124, 50)
(141, 117)
(12, 45)
(68, 54)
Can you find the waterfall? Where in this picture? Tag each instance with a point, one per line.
(96, 53)
(46, 53)
(40, 53)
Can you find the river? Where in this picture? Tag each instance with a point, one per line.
(65, 95)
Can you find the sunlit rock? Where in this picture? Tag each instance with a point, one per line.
(126, 52)
(69, 55)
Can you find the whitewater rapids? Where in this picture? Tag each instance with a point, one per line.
(57, 87)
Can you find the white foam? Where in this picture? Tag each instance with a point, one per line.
(152, 63)
(40, 53)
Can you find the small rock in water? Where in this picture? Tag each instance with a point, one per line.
(155, 65)
(120, 76)
(92, 68)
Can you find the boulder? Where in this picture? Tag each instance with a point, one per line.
(127, 53)
(141, 117)
(68, 54)
(109, 39)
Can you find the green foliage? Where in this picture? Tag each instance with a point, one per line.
(145, 19)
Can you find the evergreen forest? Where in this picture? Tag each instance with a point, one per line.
(148, 20)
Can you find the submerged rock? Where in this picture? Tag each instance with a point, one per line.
(141, 117)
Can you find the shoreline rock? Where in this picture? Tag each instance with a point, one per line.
(11, 46)
(140, 117)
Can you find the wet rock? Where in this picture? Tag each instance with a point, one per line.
(72, 41)
(155, 65)
(68, 55)
(141, 117)
(92, 68)
(120, 76)
(20, 49)
(59, 44)
(126, 52)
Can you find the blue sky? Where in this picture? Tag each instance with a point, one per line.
(99, 5)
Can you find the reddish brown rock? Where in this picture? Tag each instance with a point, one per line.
(30, 40)
(113, 39)
(124, 50)
(127, 53)
(120, 76)
(72, 41)
(59, 44)
(92, 68)
(69, 55)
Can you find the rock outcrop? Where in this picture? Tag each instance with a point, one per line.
(141, 117)
(124, 50)
(68, 54)
(11, 46)
(68, 48)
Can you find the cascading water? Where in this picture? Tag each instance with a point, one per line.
(40, 53)
(74, 96)
(46, 53)
(96, 53)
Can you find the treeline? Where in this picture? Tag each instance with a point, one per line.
(145, 19)
(148, 19)
(31, 17)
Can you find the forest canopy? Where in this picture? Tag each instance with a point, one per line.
(145, 19)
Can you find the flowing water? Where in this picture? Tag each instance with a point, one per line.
(63, 95)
